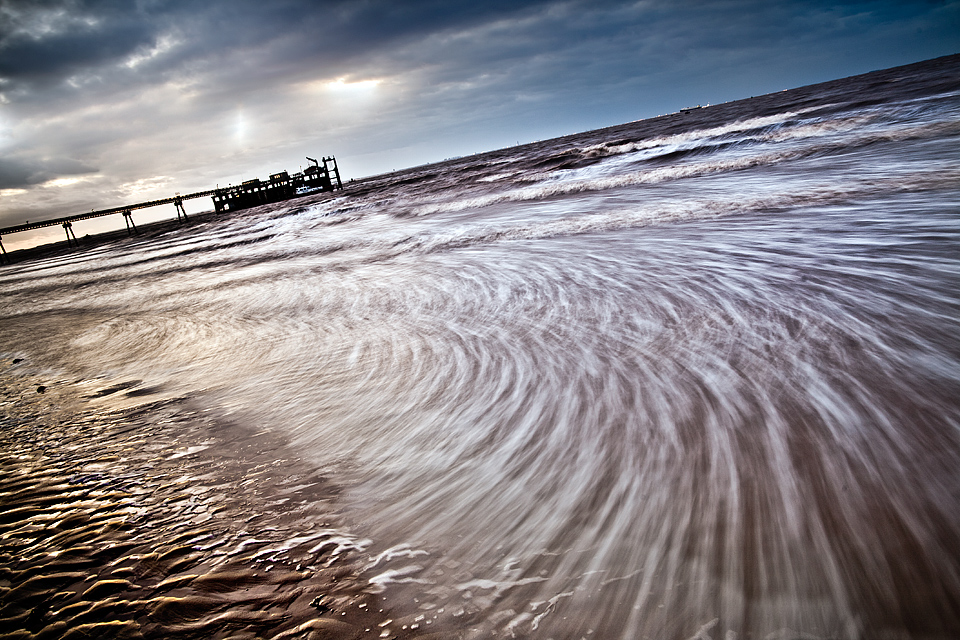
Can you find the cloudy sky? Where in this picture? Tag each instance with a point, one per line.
(106, 102)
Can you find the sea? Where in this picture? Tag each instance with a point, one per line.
(693, 377)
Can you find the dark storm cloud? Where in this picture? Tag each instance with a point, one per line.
(47, 41)
(44, 42)
(16, 173)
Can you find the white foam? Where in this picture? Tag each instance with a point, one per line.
(398, 551)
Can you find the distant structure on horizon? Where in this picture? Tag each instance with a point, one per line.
(281, 186)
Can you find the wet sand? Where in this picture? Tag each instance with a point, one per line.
(148, 520)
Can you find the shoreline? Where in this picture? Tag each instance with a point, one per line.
(154, 521)
(145, 231)
(92, 241)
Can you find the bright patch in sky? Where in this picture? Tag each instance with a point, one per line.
(145, 185)
(62, 182)
(341, 84)
(164, 44)
(240, 128)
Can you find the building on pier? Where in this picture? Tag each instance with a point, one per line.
(281, 186)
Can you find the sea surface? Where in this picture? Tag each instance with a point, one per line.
(691, 377)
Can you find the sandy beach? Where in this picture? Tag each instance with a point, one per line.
(173, 527)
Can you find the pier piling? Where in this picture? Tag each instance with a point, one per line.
(131, 228)
(3, 253)
(68, 227)
(178, 204)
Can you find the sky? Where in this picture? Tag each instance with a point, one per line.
(109, 102)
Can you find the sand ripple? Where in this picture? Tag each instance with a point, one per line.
(113, 525)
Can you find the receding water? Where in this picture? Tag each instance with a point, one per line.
(690, 377)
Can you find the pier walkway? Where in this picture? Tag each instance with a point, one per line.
(67, 221)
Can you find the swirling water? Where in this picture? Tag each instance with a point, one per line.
(696, 376)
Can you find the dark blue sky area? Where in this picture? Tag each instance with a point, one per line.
(106, 102)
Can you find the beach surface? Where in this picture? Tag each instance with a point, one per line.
(145, 521)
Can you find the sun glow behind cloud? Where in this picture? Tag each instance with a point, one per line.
(62, 182)
(342, 101)
(343, 89)
(239, 128)
(359, 87)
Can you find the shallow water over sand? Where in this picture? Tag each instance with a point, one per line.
(690, 377)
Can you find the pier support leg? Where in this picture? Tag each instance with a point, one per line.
(68, 227)
(178, 203)
(3, 253)
(131, 228)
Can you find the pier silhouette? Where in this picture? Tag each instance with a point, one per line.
(281, 186)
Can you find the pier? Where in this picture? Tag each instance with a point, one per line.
(281, 186)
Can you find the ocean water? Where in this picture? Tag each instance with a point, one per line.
(691, 377)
